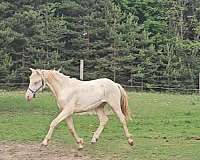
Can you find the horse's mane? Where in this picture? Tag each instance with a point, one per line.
(62, 76)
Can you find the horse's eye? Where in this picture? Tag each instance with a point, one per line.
(36, 82)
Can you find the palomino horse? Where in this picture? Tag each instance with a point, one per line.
(75, 96)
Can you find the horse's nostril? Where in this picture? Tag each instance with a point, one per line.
(28, 98)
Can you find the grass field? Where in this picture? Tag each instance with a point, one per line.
(164, 126)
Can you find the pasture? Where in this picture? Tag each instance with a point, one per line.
(164, 127)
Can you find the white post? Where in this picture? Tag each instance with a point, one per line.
(199, 82)
(81, 69)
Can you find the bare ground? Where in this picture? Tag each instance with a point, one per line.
(34, 151)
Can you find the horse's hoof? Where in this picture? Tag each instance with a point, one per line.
(93, 141)
(80, 144)
(44, 143)
(80, 147)
(130, 141)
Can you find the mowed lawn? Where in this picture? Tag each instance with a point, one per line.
(164, 126)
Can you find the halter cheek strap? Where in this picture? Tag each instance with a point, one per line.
(34, 92)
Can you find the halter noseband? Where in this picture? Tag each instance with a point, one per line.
(34, 92)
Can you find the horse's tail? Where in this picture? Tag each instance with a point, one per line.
(124, 103)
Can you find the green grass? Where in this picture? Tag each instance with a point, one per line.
(163, 126)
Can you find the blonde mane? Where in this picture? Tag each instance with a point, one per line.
(63, 77)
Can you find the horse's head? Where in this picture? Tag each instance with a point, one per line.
(36, 84)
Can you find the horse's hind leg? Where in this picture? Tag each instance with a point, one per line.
(70, 124)
(102, 120)
(117, 109)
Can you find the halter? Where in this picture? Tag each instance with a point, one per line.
(34, 92)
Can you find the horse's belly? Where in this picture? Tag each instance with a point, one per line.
(89, 106)
(89, 98)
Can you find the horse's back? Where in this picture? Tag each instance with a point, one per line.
(109, 88)
(96, 90)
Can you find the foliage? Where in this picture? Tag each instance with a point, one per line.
(123, 40)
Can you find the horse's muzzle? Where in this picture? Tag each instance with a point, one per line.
(29, 97)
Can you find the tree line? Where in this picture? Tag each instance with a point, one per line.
(124, 40)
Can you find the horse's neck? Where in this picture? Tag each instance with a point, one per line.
(55, 83)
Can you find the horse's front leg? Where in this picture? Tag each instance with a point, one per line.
(70, 124)
(63, 115)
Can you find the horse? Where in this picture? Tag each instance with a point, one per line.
(75, 96)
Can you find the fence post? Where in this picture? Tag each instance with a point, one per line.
(81, 69)
(199, 83)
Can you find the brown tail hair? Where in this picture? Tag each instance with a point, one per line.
(124, 103)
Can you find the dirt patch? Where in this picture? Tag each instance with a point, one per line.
(34, 151)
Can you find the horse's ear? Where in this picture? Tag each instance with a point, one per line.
(32, 70)
(59, 69)
(38, 71)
